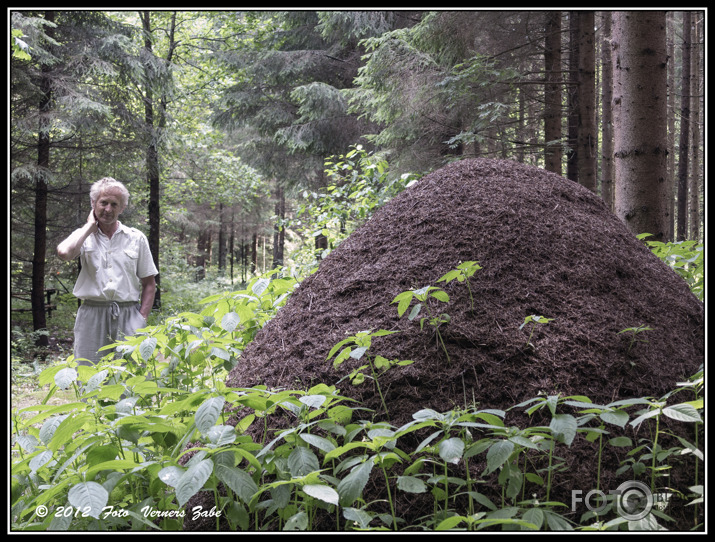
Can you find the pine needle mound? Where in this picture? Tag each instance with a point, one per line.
(546, 245)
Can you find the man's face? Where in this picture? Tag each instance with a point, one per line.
(108, 207)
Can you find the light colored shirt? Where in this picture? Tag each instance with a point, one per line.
(112, 269)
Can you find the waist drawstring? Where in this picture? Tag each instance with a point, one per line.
(114, 306)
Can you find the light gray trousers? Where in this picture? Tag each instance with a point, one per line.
(101, 323)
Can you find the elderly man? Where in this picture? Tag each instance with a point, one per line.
(117, 271)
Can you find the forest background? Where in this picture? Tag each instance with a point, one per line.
(223, 125)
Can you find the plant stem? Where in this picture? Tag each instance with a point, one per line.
(439, 335)
(377, 384)
(548, 478)
(389, 496)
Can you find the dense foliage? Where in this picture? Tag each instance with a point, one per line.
(115, 457)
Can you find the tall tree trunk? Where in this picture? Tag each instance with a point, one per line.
(672, 92)
(572, 101)
(279, 228)
(37, 294)
(587, 135)
(203, 253)
(694, 185)
(152, 151)
(639, 107)
(683, 153)
(254, 254)
(606, 114)
(221, 239)
(552, 91)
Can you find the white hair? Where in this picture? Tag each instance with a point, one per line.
(108, 183)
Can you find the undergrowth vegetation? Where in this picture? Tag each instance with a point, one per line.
(114, 457)
(154, 426)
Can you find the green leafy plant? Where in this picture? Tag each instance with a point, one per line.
(462, 273)
(360, 183)
(422, 296)
(634, 334)
(357, 347)
(534, 319)
(686, 258)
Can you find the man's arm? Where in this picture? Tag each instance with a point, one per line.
(69, 249)
(148, 293)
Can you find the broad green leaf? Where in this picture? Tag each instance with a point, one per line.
(297, 522)
(27, 443)
(497, 455)
(40, 460)
(620, 442)
(441, 295)
(48, 428)
(220, 353)
(229, 321)
(171, 475)
(208, 413)
(451, 450)
(260, 286)
(449, 523)
(239, 481)
(146, 348)
(319, 442)
(302, 461)
(193, 480)
(66, 430)
(95, 382)
(645, 416)
(65, 377)
(450, 276)
(615, 417)
(48, 375)
(403, 301)
(220, 435)
(350, 488)
(359, 352)
(683, 412)
(322, 492)
(360, 517)
(415, 311)
(557, 522)
(102, 453)
(88, 497)
(411, 484)
(564, 427)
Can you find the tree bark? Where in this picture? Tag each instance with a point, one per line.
(37, 295)
(221, 239)
(552, 91)
(586, 134)
(606, 114)
(694, 185)
(639, 107)
(152, 152)
(572, 100)
(670, 179)
(683, 151)
(279, 228)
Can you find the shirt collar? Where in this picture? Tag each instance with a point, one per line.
(121, 228)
